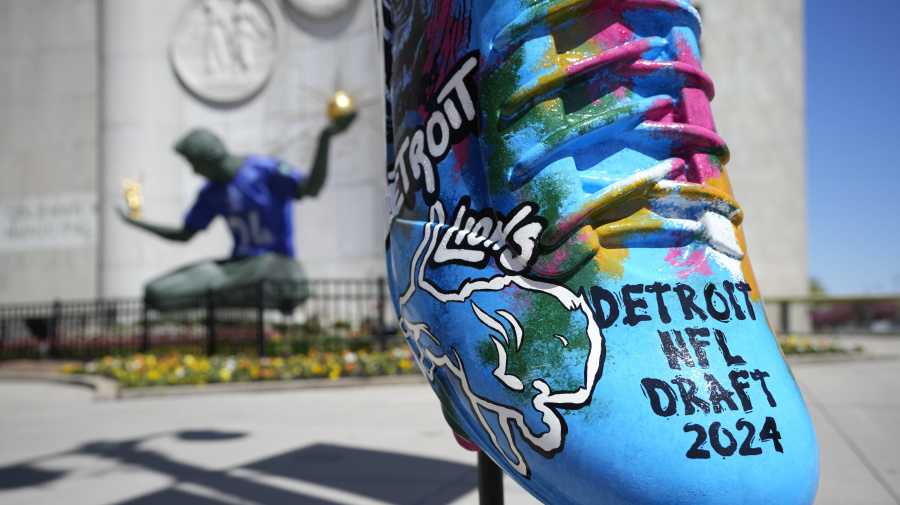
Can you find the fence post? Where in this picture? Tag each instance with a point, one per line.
(100, 318)
(260, 313)
(785, 317)
(145, 324)
(379, 304)
(53, 337)
(210, 323)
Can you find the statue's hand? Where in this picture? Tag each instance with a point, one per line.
(124, 214)
(342, 123)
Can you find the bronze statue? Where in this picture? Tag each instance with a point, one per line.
(254, 194)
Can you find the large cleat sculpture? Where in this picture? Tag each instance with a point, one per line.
(567, 259)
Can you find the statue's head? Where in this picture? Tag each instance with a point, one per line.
(207, 155)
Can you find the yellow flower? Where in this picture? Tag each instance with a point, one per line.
(150, 361)
(278, 362)
(334, 373)
(190, 360)
(71, 368)
(254, 372)
(225, 375)
(405, 364)
(317, 369)
(153, 375)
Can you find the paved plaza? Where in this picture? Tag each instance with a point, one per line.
(371, 445)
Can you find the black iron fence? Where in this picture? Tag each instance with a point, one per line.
(870, 314)
(263, 319)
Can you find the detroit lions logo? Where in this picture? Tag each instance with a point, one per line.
(537, 396)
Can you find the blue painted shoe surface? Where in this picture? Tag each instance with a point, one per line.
(567, 260)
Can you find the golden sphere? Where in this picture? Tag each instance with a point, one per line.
(340, 105)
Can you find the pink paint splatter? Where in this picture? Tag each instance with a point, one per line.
(694, 263)
(561, 255)
(554, 265)
(702, 168)
(460, 154)
(453, 26)
(614, 35)
(465, 443)
(685, 51)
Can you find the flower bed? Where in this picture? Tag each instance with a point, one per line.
(792, 344)
(141, 370)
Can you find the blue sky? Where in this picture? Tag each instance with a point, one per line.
(853, 121)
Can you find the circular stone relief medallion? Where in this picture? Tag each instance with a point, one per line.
(224, 50)
(322, 9)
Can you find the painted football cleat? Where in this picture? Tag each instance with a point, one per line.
(567, 260)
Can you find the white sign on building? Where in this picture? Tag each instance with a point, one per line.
(63, 221)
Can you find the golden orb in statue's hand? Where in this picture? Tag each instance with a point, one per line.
(340, 105)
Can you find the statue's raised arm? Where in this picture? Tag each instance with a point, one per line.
(313, 184)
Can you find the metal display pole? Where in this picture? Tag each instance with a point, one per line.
(490, 481)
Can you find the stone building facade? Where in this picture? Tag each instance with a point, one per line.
(754, 52)
(49, 150)
(96, 91)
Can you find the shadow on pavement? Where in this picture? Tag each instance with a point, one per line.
(19, 476)
(377, 475)
(176, 497)
(390, 477)
(208, 435)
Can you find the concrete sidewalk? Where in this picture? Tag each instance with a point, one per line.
(359, 446)
(855, 409)
(356, 446)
